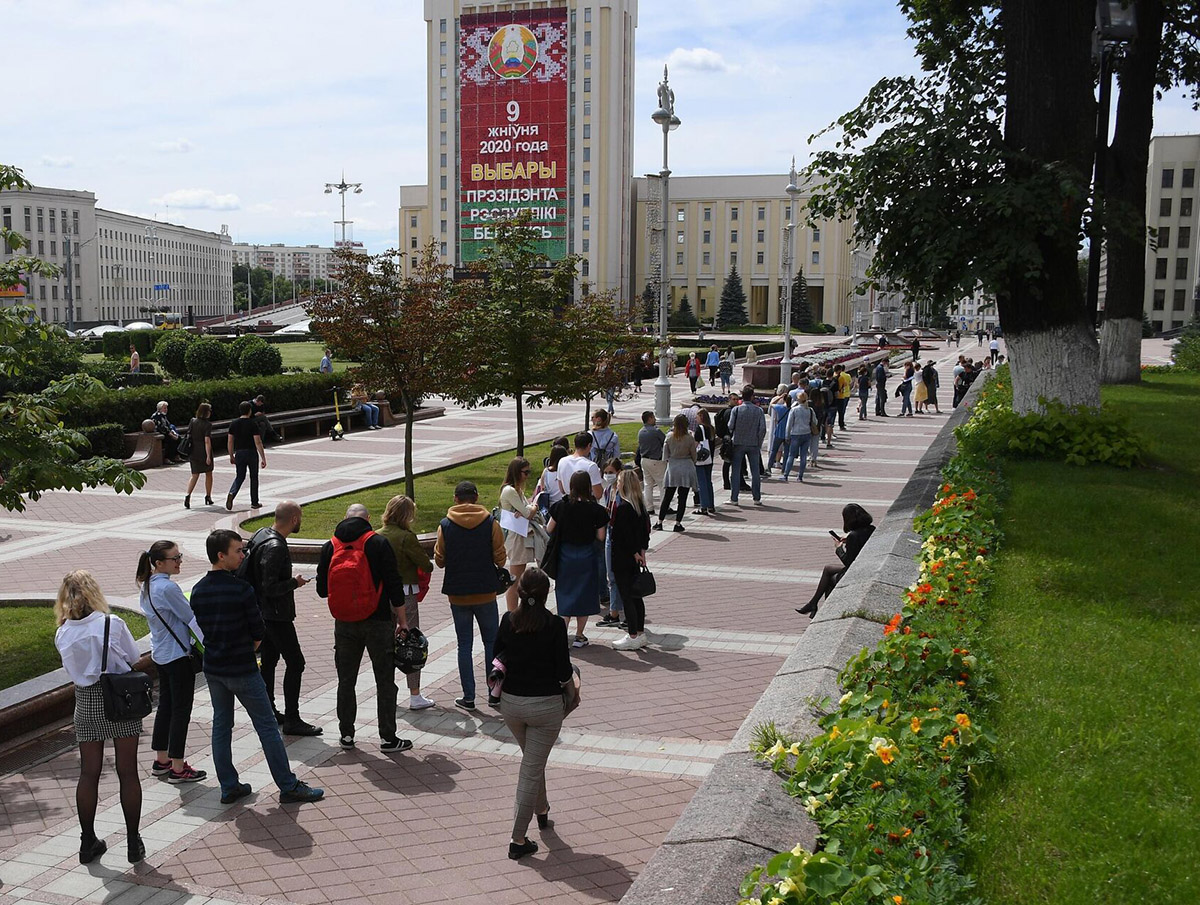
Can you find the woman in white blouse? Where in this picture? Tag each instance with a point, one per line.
(81, 613)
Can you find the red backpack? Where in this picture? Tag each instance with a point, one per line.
(353, 593)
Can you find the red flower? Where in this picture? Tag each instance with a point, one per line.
(893, 625)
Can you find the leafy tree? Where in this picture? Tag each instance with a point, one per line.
(732, 312)
(683, 318)
(404, 331)
(599, 349)
(650, 305)
(802, 315)
(37, 453)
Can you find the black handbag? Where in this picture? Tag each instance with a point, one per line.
(126, 695)
(644, 584)
(549, 561)
(185, 445)
(194, 651)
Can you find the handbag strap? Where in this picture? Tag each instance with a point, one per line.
(150, 599)
(104, 656)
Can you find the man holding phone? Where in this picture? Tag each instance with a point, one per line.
(268, 567)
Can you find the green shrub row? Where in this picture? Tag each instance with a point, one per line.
(205, 358)
(131, 406)
(106, 440)
(1187, 352)
(116, 344)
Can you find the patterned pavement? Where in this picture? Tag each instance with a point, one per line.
(431, 825)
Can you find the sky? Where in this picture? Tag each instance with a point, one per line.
(211, 112)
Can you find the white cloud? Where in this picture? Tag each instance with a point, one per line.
(309, 215)
(698, 59)
(60, 163)
(178, 146)
(199, 199)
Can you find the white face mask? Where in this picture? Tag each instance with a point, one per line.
(609, 479)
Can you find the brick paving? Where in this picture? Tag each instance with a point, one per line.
(431, 825)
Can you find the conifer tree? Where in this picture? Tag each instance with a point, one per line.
(732, 312)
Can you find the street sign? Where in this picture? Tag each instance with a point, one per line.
(161, 287)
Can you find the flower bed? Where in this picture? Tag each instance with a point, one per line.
(886, 781)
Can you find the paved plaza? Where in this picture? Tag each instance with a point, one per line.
(432, 825)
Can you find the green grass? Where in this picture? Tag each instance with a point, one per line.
(435, 491)
(27, 641)
(1094, 630)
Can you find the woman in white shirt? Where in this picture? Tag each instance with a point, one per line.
(549, 482)
(519, 547)
(81, 613)
(172, 625)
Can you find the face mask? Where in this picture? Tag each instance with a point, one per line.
(609, 479)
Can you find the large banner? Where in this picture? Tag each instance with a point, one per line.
(512, 106)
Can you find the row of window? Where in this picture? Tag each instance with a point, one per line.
(1178, 300)
(1183, 237)
(54, 220)
(1185, 207)
(1187, 178)
(760, 258)
(760, 214)
(1181, 269)
(760, 235)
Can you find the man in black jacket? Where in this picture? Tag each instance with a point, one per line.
(376, 633)
(268, 567)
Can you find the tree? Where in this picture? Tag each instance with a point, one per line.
(802, 316)
(650, 305)
(402, 330)
(37, 453)
(732, 312)
(683, 318)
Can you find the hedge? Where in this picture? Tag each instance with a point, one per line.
(206, 359)
(171, 351)
(259, 360)
(106, 440)
(116, 344)
(132, 406)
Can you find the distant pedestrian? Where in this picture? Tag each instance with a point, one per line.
(649, 456)
(906, 391)
(357, 575)
(518, 546)
(265, 428)
(692, 369)
(581, 524)
(706, 450)
(227, 610)
(845, 389)
(606, 445)
(200, 457)
(726, 371)
(779, 413)
(748, 427)
(929, 377)
(881, 376)
(172, 627)
(268, 568)
(681, 452)
(548, 490)
(362, 403)
(670, 361)
(713, 362)
(864, 391)
(326, 366)
(916, 348)
(246, 454)
(994, 348)
(532, 643)
(726, 448)
(168, 431)
(857, 523)
(92, 642)
(470, 547)
(920, 391)
(580, 460)
(801, 427)
(751, 354)
(630, 533)
(135, 360)
(411, 561)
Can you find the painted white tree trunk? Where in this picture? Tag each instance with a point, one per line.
(1060, 363)
(1121, 350)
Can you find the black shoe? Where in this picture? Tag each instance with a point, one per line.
(208, 501)
(135, 849)
(464, 704)
(278, 716)
(187, 501)
(299, 727)
(521, 849)
(229, 501)
(302, 793)
(544, 820)
(396, 744)
(608, 620)
(255, 504)
(346, 741)
(90, 851)
(237, 794)
(809, 609)
(678, 527)
(658, 526)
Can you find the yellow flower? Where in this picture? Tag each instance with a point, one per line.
(948, 741)
(963, 720)
(915, 725)
(887, 704)
(800, 850)
(883, 749)
(835, 732)
(776, 750)
(775, 900)
(795, 749)
(788, 885)
(899, 900)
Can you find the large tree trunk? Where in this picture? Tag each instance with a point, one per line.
(1125, 220)
(1049, 127)
(520, 423)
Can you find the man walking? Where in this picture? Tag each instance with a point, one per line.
(268, 567)
(713, 362)
(747, 427)
(226, 610)
(881, 376)
(246, 453)
(649, 457)
(845, 389)
(326, 366)
(994, 348)
(357, 574)
(469, 546)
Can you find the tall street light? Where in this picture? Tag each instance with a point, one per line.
(665, 117)
(341, 188)
(789, 263)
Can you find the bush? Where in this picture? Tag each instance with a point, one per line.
(106, 440)
(260, 360)
(115, 374)
(54, 362)
(116, 344)
(206, 359)
(171, 352)
(132, 406)
(241, 344)
(1187, 353)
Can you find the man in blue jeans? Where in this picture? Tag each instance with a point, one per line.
(747, 427)
(227, 611)
(469, 546)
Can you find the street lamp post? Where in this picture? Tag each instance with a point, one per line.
(341, 188)
(665, 117)
(789, 263)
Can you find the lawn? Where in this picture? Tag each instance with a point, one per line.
(27, 641)
(1094, 629)
(435, 490)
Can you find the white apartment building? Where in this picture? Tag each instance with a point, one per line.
(1172, 296)
(299, 263)
(530, 107)
(122, 267)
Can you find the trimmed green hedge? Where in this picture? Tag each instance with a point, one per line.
(116, 344)
(206, 359)
(106, 440)
(259, 360)
(132, 406)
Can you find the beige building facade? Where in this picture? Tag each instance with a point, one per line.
(1172, 296)
(299, 263)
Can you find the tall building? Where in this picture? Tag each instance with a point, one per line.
(300, 263)
(1172, 265)
(122, 267)
(530, 108)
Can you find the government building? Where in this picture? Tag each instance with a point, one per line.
(1172, 295)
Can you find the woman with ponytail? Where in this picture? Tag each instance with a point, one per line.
(532, 643)
(172, 626)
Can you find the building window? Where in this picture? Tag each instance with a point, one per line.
(442, 92)
(587, 245)
(8, 218)
(1160, 299)
(587, 177)
(54, 296)
(414, 241)
(762, 235)
(587, 61)
(412, 221)
(587, 155)
(707, 236)
(1185, 237)
(587, 38)
(443, 205)
(679, 238)
(732, 236)
(442, 48)
(51, 219)
(41, 247)
(442, 117)
(585, 269)
(442, 159)
(587, 108)
(1180, 299)
(680, 214)
(733, 259)
(587, 199)
(1185, 209)
(54, 249)
(442, 70)
(762, 213)
(816, 234)
(1168, 179)
(587, 85)
(442, 26)
(442, 183)
(707, 258)
(816, 258)
(28, 218)
(443, 250)
(443, 229)
(1164, 237)
(1189, 178)
(587, 130)
(1160, 269)
(708, 213)
(1181, 268)
(679, 259)
(587, 224)
(442, 138)
(1164, 207)
(759, 257)
(733, 213)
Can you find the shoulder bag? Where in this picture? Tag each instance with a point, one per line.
(195, 650)
(548, 562)
(126, 695)
(570, 691)
(185, 445)
(644, 584)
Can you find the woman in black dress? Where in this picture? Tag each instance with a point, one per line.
(201, 456)
(580, 521)
(630, 540)
(857, 523)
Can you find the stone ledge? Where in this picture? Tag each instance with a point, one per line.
(695, 873)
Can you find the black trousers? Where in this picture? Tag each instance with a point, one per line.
(279, 640)
(635, 607)
(176, 690)
(727, 469)
(668, 496)
(350, 639)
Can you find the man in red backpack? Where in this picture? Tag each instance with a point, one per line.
(357, 574)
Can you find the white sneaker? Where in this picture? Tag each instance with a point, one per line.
(625, 643)
(419, 702)
(639, 642)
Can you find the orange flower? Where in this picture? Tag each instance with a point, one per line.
(907, 832)
(963, 720)
(893, 624)
(898, 900)
(877, 785)
(887, 755)
(969, 495)
(948, 741)
(915, 724)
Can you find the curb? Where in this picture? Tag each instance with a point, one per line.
(741, 816)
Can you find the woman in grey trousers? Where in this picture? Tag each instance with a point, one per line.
(532, 645)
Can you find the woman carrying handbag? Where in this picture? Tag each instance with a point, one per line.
(172, 625)
(93, 643)
(630, 539)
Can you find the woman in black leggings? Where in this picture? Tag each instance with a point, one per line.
(630, 532)
(857, 523)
